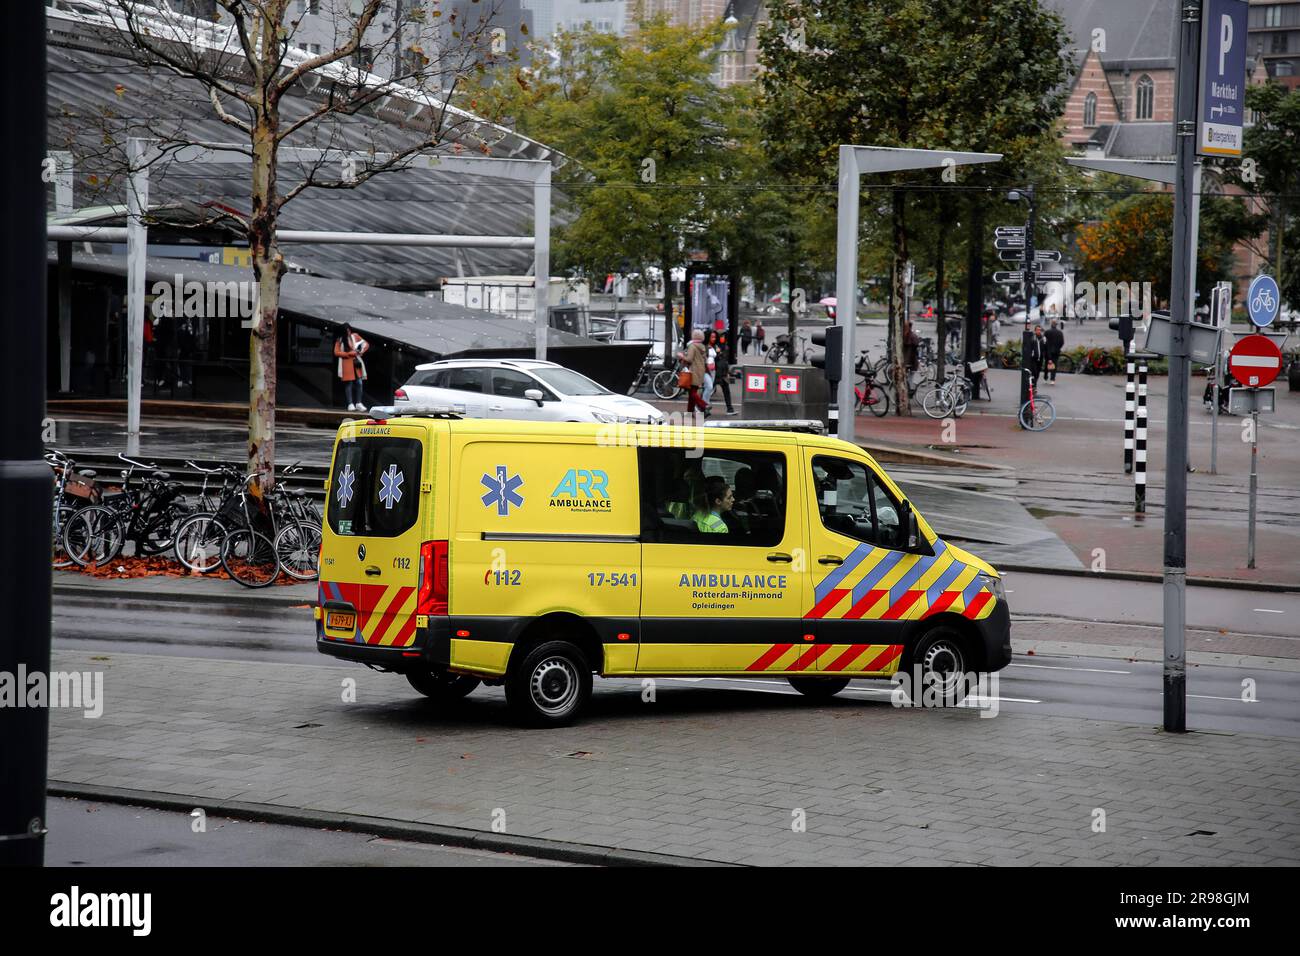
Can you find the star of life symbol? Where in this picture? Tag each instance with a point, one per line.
(502, 491)
(390, 487)
(346, 479)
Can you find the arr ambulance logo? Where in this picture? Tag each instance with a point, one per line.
(503, 491)
(582, 490)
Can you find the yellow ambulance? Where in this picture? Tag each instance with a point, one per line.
(536, 554)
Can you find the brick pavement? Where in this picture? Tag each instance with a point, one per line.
(707, 773)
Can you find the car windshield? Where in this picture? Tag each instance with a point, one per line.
(568, 382)
(639, 330)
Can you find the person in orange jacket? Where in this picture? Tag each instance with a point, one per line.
(349, 348)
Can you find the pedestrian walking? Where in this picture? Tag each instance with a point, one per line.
(1055, 342)
(911, 348)
(746, 336)
(722, 371)
(760, 336)
(710, 365)
(349, 348)
(695, 358)
(1034, 356)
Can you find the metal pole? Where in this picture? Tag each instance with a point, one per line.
(137, 241)
(542, 260)
(1031, 288)
(1254, 478)
(26, 485)
(1140, 452)
(1214, 412)
(1175, 537)
(1130, 405)
(846, 275)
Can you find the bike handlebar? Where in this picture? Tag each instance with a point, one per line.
(135, 464)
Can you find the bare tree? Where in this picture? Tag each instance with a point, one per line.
(398, 61)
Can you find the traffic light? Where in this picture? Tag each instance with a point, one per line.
(832, 339)
(1123, 324)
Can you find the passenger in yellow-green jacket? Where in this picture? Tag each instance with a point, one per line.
(717, 499)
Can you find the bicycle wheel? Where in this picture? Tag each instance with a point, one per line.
(160, 533)
(297, 547)
(249, 557)
(1038, 414)
(198, 542)
(873, 398)
(93, 536)
(665, 385)
(937, 402)
(59, 555)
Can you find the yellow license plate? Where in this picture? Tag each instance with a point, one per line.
(341, 620)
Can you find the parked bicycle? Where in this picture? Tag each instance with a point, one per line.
(147, 517)
(868, 393)
(73, 490)
(787, 351)
(1038, 413)
(948, 398)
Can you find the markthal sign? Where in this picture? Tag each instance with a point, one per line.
(1221, 103)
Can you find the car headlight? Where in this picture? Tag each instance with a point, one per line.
(607, 418)
(994, 584)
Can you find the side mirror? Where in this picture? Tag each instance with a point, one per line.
(909, 522)
(535, 394)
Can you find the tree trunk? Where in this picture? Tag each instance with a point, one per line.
(789, 311)
(898, 307)
(941, 326)
(268, 267)
(670, 327)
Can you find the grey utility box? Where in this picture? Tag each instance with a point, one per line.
(783, 392)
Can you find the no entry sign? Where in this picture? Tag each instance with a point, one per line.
(1255, 361)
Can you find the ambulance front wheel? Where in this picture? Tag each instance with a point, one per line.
(440, 685)
(819, 688)
(941, 656)
(550, 685)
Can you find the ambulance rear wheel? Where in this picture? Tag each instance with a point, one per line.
(441, 686)
(550, 685)
(819, 688)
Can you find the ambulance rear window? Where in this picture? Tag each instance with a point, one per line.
(375, 486)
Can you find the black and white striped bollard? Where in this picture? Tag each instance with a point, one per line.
(1140, 450)
(1130, 406)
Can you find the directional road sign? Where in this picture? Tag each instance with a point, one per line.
(1263, 300)
(1254, 361)
(1005, 231)
(1009, 242)
(1049, 275)
(1047, 255)
(1012, 255)
(1009, 277)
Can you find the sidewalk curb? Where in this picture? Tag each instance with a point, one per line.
(198, 597)
(1153, 578)
(1149, 655)
(901, 455)
(537, 847)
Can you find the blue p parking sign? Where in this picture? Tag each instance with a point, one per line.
(1221, 104)
(1263, 300)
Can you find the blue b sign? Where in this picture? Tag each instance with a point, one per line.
(1263, 300)
(1221, 101)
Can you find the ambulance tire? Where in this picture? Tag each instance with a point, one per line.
(942, 649)
(440, 686)
(550, 686)
(818, 688)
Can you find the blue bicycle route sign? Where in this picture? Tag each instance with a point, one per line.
(1263, 300)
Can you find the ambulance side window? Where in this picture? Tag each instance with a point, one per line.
(723, 497)
(853, 502)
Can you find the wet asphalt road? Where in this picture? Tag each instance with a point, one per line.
(1083, 687)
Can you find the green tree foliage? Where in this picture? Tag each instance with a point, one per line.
(1274, 177)
(968, 75)
(665, 163)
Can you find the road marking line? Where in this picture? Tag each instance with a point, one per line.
(1211, 697)
(1267, 610)
(1085, 670)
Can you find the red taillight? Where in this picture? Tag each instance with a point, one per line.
(400, 395)
(432, 596)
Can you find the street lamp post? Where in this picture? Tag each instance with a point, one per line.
(1027, 334)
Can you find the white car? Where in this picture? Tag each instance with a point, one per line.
(645, 328)
(520, 389)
